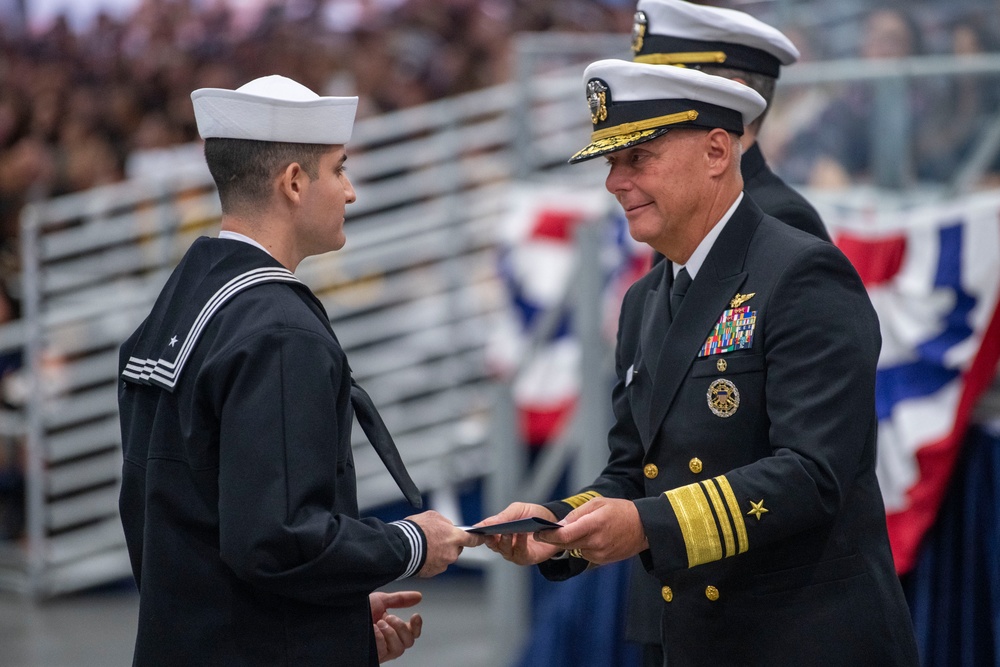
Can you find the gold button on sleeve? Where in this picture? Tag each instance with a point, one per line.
(651, 471)
(667, 594)
(695, 465)
(712, 593)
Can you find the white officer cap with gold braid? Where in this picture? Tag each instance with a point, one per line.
(274, 108)
(674, 32)
(631, 103)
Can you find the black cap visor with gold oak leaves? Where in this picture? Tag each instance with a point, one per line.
(620, 125)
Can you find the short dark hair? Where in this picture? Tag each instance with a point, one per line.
(244, 168)
(762, 83)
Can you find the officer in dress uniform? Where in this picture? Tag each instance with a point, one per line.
(238, 493)
(742, 456)
(735, 45)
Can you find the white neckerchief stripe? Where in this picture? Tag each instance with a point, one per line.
(165, 372)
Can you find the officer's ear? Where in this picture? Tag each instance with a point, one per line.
(719, 148)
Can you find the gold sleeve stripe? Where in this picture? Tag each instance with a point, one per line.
(734, 512)
(694, 514)
(675, 58)
(723, 516)
(581, 498)
(641, 125)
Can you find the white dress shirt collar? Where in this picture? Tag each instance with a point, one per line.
(701, 252)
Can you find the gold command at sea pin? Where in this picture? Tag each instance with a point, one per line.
(734, 330)
(723, 398)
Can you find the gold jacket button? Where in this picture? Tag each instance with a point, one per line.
(721, 365)
(712, 593)
(667, 594)
(695, 465)
(651, 471)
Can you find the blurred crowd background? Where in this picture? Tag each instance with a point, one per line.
(76, 107)
(822, 137)
(82, 105)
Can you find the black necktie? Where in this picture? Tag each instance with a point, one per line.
(681, 283)
(373, 426)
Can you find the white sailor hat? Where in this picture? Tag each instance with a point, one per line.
(674, 32)
(274, 108)
(631, 103)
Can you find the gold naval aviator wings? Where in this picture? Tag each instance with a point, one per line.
(740, 299)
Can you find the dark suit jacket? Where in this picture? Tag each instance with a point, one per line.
(808, 579)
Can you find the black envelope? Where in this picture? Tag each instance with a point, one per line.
(531, 525)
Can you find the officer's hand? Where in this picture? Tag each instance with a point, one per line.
(602, 530)
(393, 635)
(444, 542)
(522, 549)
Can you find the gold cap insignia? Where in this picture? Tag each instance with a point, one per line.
(723, 398)
(639, 24)
(597, 99)
(740, 299)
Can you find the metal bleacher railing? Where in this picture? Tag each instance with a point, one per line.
(413, 298)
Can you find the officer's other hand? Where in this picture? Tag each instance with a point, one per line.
(521, 548)
(393, 635)
(444, 542)
(602, 530)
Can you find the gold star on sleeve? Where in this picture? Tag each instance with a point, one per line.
(757, 509)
